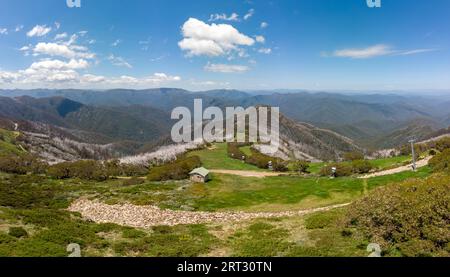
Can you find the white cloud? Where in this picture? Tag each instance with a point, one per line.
(60, 75)
(375, 51)
(226, 68)
(249, 14)
(57, 25)
(264, 25)
(209, 83)
(260, 39)
(18, 28)
(265, 51)
(224, 17)
(3, 31)
(211, 40)
(364, 53)
(39, 31)
(61, 36)
(416, 51)
(116, 43)
(62, 50)
(119, 61)
(59, 65)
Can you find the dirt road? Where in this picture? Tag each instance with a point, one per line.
(245, 173)
(419, 164)
(148, 216)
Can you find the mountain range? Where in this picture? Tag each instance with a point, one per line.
(324, 124)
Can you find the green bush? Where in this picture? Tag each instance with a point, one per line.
(441, 161)
(412, 216)
(17, 232)
(22, 164)
(177, 170)
(342, 170)
(234, 152)
(301, 166)
(115, 168)
(353, 156)
(262, 161)
(86, 170)
(361, 166)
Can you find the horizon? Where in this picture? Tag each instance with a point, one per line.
(298, 45)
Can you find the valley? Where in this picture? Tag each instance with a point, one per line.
(109, 179)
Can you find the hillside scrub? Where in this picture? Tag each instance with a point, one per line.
(22, 164)
(353, 156)
(86, 170)
(262, 161)
(347, 168)
(234, 152)
(176, 170)
(441, 162)
(342, 170)
(412, 217)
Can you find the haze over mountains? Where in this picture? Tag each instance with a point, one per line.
(139, 120)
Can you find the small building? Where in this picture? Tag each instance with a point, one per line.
(199, 175)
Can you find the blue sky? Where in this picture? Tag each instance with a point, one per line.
(241, 44)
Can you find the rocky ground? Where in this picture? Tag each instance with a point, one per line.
(148, 216)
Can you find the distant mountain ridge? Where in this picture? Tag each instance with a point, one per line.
(364, 118)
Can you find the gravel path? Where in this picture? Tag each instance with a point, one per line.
(148, 216)
(419, 164)
(245, 173)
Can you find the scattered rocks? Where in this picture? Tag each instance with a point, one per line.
(148, 216)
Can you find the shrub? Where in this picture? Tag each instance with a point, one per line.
(361, 166)
(22, 164)
(86, 170)
(262, 161)
(17, 232)
(115, 168)
(411, 216)
(353, 156)
(176, 170)
(301, 166)
(234, 152)
(441, 161)
(342, 170)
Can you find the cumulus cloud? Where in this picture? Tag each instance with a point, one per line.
(64, 75)
(224, 17)
(264, 25)
(226, 68)
(260, 39)
(3, 31)
(39, 31)
(59, 65)
(213, 39)
(65, 50)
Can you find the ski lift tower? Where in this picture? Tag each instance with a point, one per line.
(414, 167)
